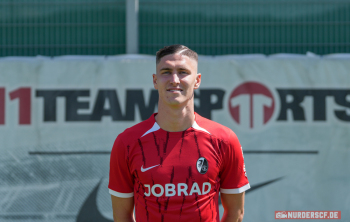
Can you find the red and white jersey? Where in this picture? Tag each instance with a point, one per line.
(177, 176)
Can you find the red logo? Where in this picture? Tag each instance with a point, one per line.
(251, 105)
(281, 214)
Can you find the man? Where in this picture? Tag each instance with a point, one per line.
(172, 166)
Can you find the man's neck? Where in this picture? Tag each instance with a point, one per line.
(175, 119)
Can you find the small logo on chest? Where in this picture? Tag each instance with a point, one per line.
(202, 165)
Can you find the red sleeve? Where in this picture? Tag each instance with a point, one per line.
(233, 175)
(121, 182)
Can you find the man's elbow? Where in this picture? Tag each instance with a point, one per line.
(233, 216)
(240, 215)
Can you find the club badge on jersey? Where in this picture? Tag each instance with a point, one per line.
(202, 165)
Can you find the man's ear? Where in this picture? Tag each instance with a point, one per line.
(198, 81)
(155, 81)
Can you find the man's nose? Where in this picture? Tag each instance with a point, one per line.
(175, 78)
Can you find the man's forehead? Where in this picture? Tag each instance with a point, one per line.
(177, 59)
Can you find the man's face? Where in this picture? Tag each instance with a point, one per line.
(175, 79)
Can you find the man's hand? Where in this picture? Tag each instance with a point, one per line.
(233, 207)
(123, 209)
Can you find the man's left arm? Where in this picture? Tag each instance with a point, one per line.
(233, 207)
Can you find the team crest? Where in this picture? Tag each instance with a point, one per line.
(202, 165)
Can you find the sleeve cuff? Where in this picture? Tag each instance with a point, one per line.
(122, 195)
(235, 191)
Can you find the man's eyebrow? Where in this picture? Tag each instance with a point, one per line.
(165, 69)
(170, 69)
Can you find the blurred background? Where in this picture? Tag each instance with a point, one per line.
(76, 27)
(70, 82)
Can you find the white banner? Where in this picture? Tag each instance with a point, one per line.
(59, 118)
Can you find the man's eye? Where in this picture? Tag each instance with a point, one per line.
(184, 72)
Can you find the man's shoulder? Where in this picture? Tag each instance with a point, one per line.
(136, 131)
(216, 129)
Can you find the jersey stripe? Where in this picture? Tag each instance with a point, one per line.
(122, 195)
(235, 191)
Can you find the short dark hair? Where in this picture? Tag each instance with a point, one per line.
(173, 49)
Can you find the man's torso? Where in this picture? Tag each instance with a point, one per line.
(176, 175)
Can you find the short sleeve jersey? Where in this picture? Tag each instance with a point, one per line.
(177, 176)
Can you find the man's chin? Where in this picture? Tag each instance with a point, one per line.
(176, 102)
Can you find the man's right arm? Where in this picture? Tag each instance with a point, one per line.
(121, 183)
(123, 209)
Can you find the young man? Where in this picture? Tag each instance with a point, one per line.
(172, 166)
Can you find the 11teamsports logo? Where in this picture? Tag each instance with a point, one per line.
(252, 105)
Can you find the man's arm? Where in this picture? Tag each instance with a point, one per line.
(123, 209)
(233, 207)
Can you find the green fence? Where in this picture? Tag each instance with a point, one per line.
(218, 27)
(246, 26)
(52, 27)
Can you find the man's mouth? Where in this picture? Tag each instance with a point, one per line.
(174, 90)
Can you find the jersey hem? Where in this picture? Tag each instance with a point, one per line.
(122, 195)
(235, 191)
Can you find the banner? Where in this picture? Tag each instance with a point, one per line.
(60, 116)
